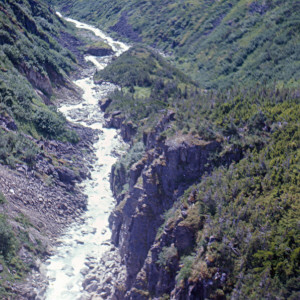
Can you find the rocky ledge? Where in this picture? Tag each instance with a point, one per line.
(99, 51)
(116, 120)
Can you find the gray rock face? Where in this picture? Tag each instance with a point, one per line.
(98, 51)
(116, 120)
(161, 177)
(8, 123)
(104, 103)
(38, 80)
(154, 184)
(66, 175)
(156, 181)
(184, 238)
(128, 130)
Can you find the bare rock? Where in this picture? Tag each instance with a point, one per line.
(66, 175)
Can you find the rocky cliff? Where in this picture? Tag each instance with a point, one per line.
(232, 231)
(168, 167)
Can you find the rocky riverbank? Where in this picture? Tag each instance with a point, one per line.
(47, 194)
(104, 277)
(76, 256)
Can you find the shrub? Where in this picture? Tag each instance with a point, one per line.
(186, 263)
(166, 255)
(2, 198)
(48, 123)
(6, 236)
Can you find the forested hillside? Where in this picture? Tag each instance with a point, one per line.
(32, 63)
(228, 228)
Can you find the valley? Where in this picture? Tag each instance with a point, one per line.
(202, 202)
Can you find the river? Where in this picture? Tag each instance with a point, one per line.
(89, 239)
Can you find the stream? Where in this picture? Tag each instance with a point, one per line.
(89, 239)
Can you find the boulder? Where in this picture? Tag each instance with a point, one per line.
(184, 238)
(104, 103)
(66, 175)
(99, 51)
(8, 122)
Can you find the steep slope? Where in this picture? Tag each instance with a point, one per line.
(177, 185)
(32, 64)
(219, 43)
(231, 235)
(37, 145)
(207, 196)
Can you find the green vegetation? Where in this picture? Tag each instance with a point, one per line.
(149, 86)
(98, 44)
(166, 255)
(249, 210)
(258, 196)
(219, 43)
(89, 42)
(254, 223)
(6, 237)
(16, 148)
(260, 193)
(30, 58)
(141, 67)
(123, 165)
(2, 198)
(32, 65)
(240, 86)
(240, 117)
(13, 241)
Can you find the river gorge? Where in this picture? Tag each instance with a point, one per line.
(165, 168)
(83, 243)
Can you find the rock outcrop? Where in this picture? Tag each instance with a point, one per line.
(38, 80)
(7, 122)
(104, 103)
(155, 183)
(123, 28)
(99, 51)
(117, 120)
(168, 168)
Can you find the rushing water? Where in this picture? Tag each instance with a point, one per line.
(88, 240)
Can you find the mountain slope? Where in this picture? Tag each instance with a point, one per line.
(219, 43)
(177, 185)
(207, 196)
(38, 196)
(200, 225)
(32, 63)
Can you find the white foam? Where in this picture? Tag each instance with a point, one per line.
(81, 242)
